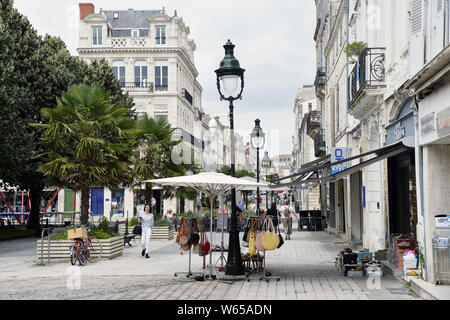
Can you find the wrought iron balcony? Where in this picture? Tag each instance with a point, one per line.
(161, 88)
(368, 74)
(319, 145)
(313, 123)
(137, 86)
(320, 82)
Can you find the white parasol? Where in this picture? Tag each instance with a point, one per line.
(211, 183)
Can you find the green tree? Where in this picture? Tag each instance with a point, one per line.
(239, 173)
(33, 72)
(87, 142)
(157, 154)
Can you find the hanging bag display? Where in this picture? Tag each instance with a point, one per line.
(259, 237)
(251, 241)
(270, 239)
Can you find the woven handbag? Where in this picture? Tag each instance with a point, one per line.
(184, 239)
(270, 239)
(251, 241)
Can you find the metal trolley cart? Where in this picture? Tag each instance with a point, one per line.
(441, 250)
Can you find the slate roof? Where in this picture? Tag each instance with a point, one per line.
(130, 19)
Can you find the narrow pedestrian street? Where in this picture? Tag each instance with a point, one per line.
(305, 265)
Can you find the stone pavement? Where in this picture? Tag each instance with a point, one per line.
(305, 265)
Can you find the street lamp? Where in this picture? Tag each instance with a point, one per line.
(266, 162)
(228, 76)
(257, 140)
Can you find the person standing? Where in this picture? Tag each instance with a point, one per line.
(147, 221)
(286, 212)
(273, 214)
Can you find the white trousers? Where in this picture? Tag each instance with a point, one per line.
(145, 238)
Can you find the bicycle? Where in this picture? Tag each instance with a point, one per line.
(90, 250)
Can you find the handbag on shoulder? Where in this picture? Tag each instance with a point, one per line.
(137, 230)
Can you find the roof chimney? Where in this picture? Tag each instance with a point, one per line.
(175, 13)
(86, 9)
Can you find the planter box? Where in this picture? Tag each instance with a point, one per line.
(159, 233)
(60, 249)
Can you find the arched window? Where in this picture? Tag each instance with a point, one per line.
(140, 74)
(119, 71)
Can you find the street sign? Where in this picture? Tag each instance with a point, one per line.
(338, 154)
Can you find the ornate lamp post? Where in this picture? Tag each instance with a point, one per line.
(266, 162)
(257, 138)
(228, 76)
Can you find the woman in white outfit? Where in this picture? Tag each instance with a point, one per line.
(147, 221)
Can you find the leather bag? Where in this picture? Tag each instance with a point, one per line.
(281, 238)
(206, 246)
(246, 235)
(137, 230)
(270, 239)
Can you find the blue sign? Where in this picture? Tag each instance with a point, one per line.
(338, 154)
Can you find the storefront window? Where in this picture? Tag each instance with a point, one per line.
(117, 198)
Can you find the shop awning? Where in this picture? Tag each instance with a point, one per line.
(380, 154)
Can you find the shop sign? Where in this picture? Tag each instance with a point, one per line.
(338, 154)
(442, 221)
(443, 123)
(400, 129)
(427, 124)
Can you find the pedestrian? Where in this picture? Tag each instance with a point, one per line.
(273, 214)
(169, 216)
(147, 221)
(287, 220)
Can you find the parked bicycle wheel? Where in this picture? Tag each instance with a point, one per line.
(73, 254)
(82, 254)
(95, 249)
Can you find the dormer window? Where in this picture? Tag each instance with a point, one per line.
(160, 34)
(97, 36)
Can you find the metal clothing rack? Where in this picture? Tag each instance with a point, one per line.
(266, 275)
(189, 273)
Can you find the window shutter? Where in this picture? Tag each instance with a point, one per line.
(436, 33)
(417, 42)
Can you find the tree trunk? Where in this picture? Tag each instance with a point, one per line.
(85, 195)
(33, 222)
(149, 195)
(182, 204)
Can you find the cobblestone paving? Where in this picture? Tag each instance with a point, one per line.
(305, 265)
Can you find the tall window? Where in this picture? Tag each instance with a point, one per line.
(141, 74)
(119, 71)
(337, 109)
(162, 111)
(135, 33)
(160, 34)
(161, 75)
(97, 36)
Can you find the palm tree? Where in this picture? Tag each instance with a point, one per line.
(88, 141)
(157, 146)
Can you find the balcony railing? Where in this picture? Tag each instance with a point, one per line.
(161, 88)
(321, 79)
(129, 42)
(368, 73)
(137, 86)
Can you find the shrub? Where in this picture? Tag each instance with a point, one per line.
(163, 223)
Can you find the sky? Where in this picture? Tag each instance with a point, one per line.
(274, 43)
